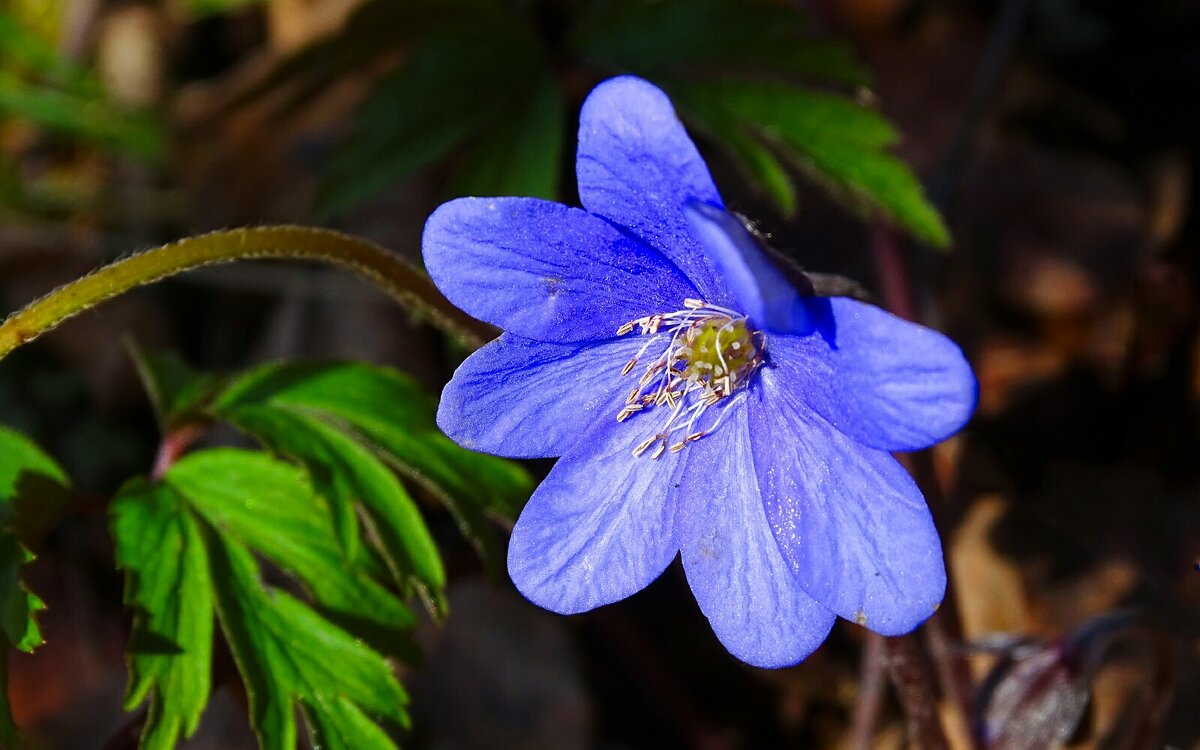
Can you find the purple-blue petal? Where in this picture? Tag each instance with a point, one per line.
(883, 381)
(546, 271)
(529, 399)
(599, 528)
(753, 601)
(848, 519)
(638, 168)
(756, 286)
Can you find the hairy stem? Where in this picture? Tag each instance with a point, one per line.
(388, 271)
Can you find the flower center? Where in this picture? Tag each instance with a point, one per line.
(708, 353)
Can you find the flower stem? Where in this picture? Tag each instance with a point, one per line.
(390, 272)
(912, 676)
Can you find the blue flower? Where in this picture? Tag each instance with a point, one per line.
(700, 405)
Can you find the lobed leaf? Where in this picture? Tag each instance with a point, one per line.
(32, 491)
(270, 507)
(457, 81)
(158, 543)
(176, 391)
(838, 142)
(188, 546)
(348, 473)
(389, 413)
(288, 654)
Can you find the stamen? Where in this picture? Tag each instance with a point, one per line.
(710, 355)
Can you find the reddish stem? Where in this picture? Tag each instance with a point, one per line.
(174, 444)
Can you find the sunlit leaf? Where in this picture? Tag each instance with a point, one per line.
(389, 412)
(270, 507)
(188, 545)
(348, 473)
(288, 654)
(158, 544)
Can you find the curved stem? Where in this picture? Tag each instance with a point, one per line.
(390, 272)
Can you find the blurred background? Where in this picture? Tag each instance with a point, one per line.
(1059, 139)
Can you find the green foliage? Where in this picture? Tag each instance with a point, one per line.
(38, 85)
(839, 142)
(176, 391)
(491, 87)
(159, 544)
(32, 489)
(458, 83)
(188, 543)
(345, 438)
(717, 37)
(385, 412)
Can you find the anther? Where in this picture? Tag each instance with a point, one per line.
(709, 353)
(642, 446)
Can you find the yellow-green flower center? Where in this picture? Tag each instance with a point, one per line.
(708, 354)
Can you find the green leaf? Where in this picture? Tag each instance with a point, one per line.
(158, 544)
(755, 157)
(176, 390)
(135, 132)
(32, 492)
(836, 141)
(375, 29)
(727, 36)
(39, 85)
(187, 545)
(22, 49)
(33, 489)
(270, 507)
(391, 413)
(456, 83)
(522, 153)
(346, 472)
(288, 654)
(17, 605)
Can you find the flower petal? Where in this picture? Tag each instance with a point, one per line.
(757, 287)
(599, 528)
(637, 167)
(848, 519)
(883, 381)
(544, 270)
(527, 399)
(756, 606)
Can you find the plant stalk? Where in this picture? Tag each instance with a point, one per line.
(385, 269)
